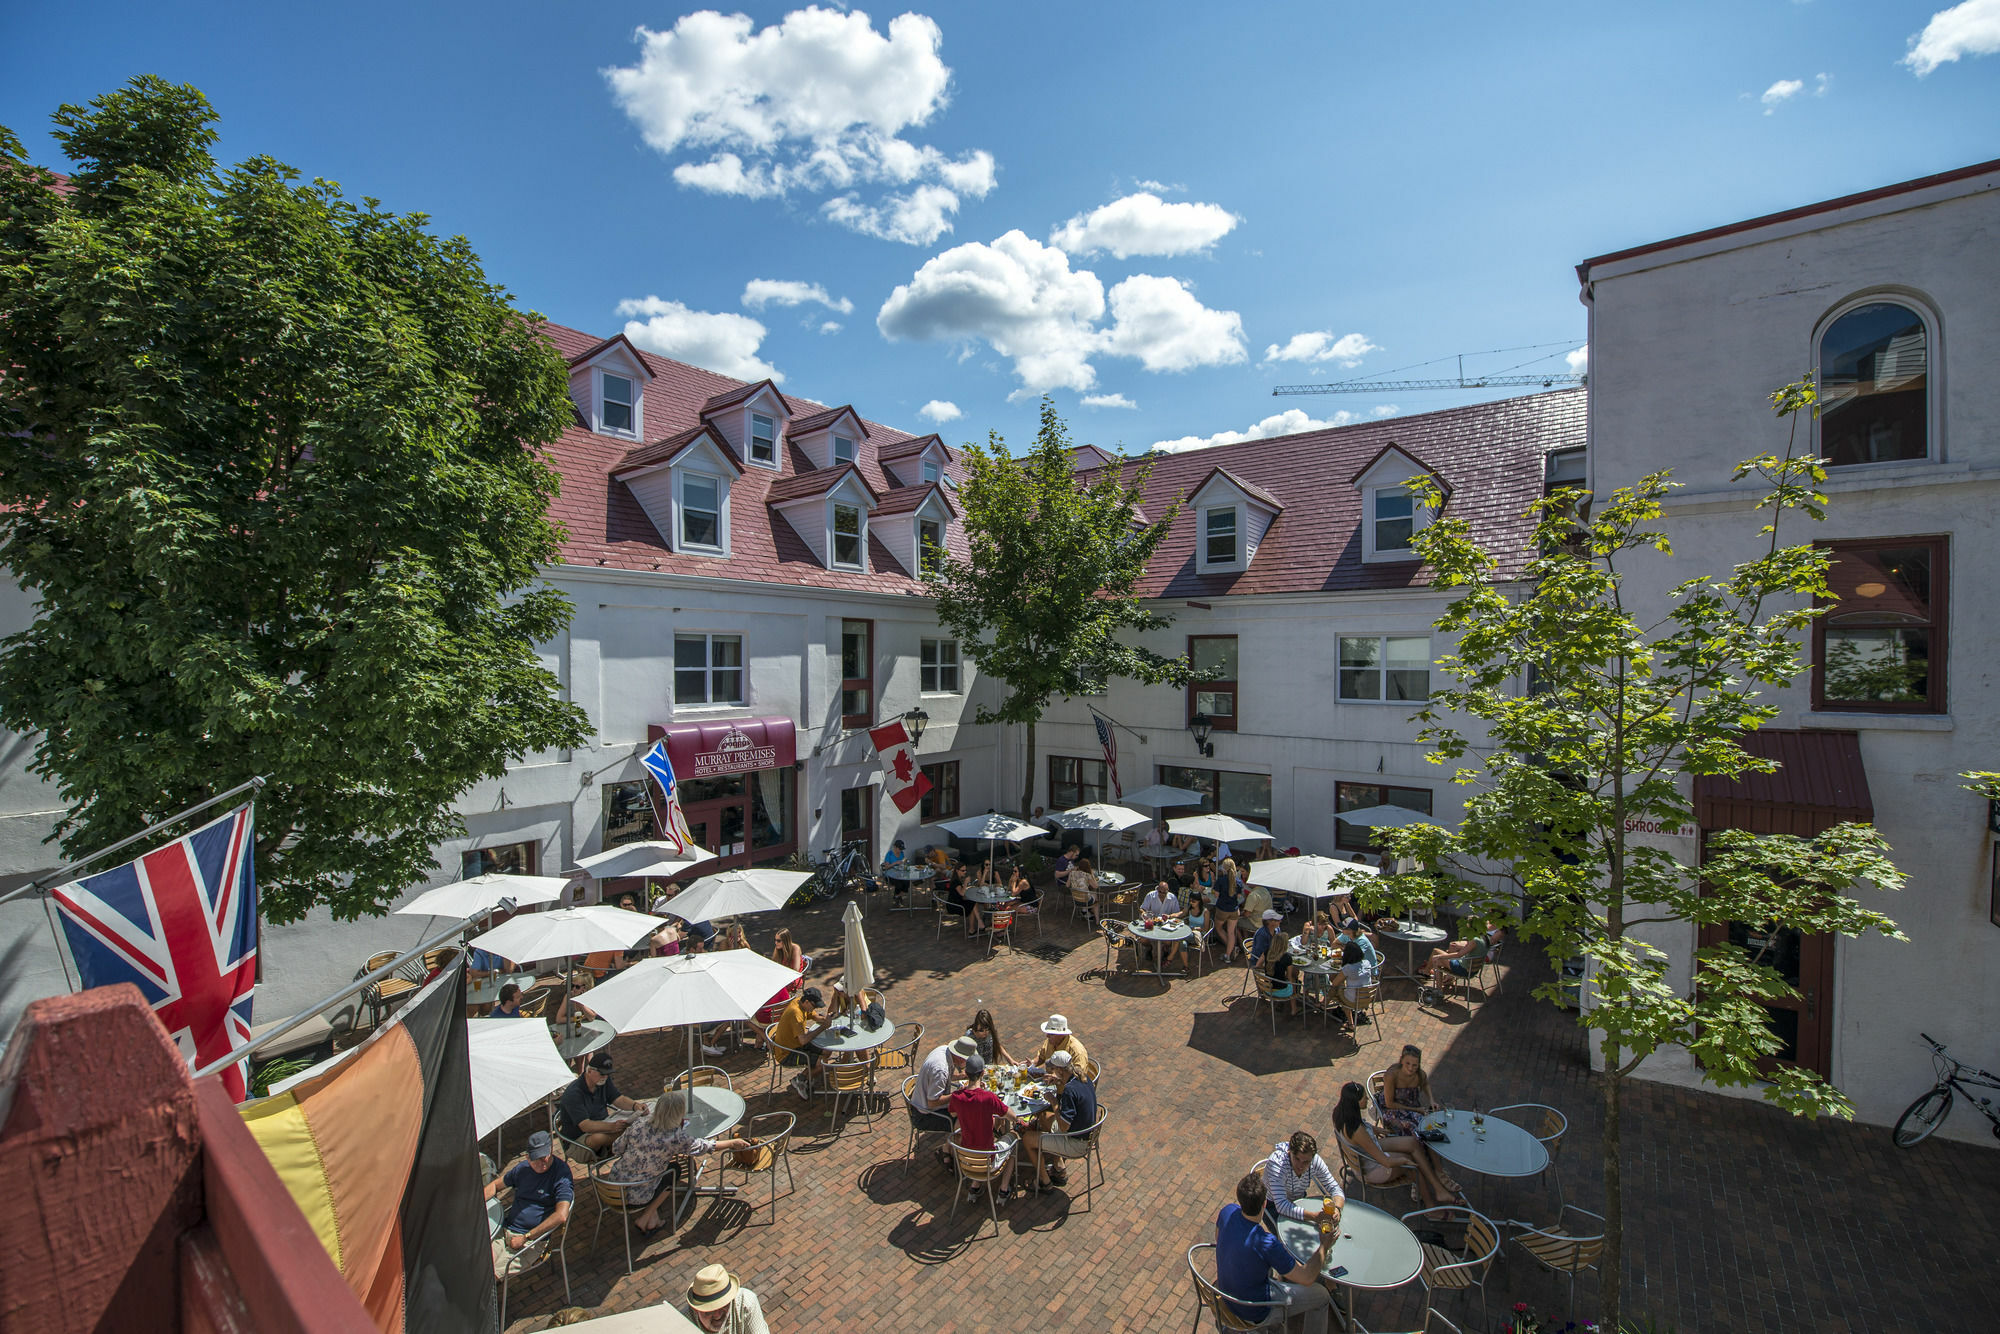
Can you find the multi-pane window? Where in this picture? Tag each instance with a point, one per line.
(847, 535)
(941, 802)
(513, 859)
(938, 666)
(1874, 386)
(1880, 646)
(763, 439)
(618, 400)
(1361, 796)
(1245, 796)
(628, 815)
(1385, 667)
(843, 449)
(932, 472)
(1219, 536)
(857, 818)
(930, 545)
(701, 512)
(1212, 680)
(1395, 518)
(857, 673)
(708, 669)
(1074, 782)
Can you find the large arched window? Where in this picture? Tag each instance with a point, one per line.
(1875, 385)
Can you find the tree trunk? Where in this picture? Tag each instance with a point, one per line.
(1611, 1271)
(1028, 774)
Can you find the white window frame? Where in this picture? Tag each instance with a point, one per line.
(939, 544)
(750, 439)
(932, 471)
(1238, 538)
(833, 536)
(682, 543)
(1381, 669)
(708, 671)
(1420, 517)
(931, 667)
(1934, 451)
(604, 427)
(839, 457)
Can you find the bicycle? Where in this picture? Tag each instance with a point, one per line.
(1927, 1113)
(833, 871)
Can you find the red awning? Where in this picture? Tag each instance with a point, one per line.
(1819, 783)
(712, 750)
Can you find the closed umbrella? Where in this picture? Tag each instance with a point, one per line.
(690, 989)
(858, 966)
(484, 893)
(1219, 828)
(514, 1065)
(730, 893)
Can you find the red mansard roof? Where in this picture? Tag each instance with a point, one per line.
(821, 420)
(904, 499)
(819, 481)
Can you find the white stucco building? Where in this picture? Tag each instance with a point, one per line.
(1890, 296)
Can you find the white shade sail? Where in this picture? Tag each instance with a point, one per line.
(858, 966)
(1310, 877)
(1160, 794)
(689, 989)
(1099, 816)
(483, 893)
(655, 859)
(1384, 817)
(730, 893)
(993, 826)
(1221, 828)
(515, 1065)
(561, 932)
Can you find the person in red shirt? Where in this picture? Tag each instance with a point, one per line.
(984, 1123)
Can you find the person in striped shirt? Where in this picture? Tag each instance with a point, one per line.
(1295, 1172)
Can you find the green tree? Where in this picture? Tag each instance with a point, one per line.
(1625, 713)
(270, 461)
(1043, 599)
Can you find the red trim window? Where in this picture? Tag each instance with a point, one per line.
(941, 802)
(1076, 782)
(857, 673)
(1880, 647)
(1212, 680)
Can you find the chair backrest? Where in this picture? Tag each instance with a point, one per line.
(1482, 1240)
(612, 1189)
(1554, 1126)
(1351, 1161)
(872, 996)
(1001, 920)
(1378, 1085)
(703, 1076)
(1560, 1251)
(1093, 1072)
(946, 907)
(1217, 1302)
(850, 1076)
(1266, 984)
(976, 1164)
(537, 1005)
(379, 961)
(773, 1133)
(909, 1094)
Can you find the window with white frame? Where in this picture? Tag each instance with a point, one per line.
(1393, 511)
(938, 666)
(843, 449)
(1219, 536)
(930, 545)
(618, 399)
(847, 536)
(763, 439)
(708, 669)
(932, 472)
(1874, 386)
(701, 512)
(1385, 667)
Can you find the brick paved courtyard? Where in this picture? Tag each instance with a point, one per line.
(1739, 1217)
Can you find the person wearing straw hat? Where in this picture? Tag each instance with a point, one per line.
(722, 1305)
(1057, 1037)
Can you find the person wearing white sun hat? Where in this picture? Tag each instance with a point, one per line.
(1057, 1037)
(722, 1305)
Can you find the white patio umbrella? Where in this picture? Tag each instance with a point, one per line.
(1384, 817)
(1161, 794)
(483, 893)
(1220, 828)
(690, 989)
(858, 966)
(514, 1065)
(562, 932)
(1309, 877)
(651, 859)
(993, 827)
(730, 893)
(1098, 817)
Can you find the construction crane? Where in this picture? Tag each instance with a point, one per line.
(1546, 380)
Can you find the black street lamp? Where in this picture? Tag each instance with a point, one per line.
(1199, 727)
(914, 722)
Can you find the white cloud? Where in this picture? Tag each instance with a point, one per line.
(1321, 345)
(940, 411)
(1970, 29)
(1144, 224)
(1108, 401)
(1384, 410)
(1022, 298)
(1781, 91)
(723, 342)
(1579, 360)
(1822, 84)
(1157, 187)
(1289, 422)
(830, 327)
(761, 292)
(817, 102)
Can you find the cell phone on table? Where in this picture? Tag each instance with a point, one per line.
(1338, 1271)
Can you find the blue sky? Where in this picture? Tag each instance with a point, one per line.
(1355, 188)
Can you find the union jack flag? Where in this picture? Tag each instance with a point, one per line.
(1107, 737)
(179, 923)
(671, 818)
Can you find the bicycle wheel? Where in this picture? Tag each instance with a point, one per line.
(1925, 1115)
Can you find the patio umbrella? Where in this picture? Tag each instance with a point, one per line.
(690, 989)
(562, 932)
(858, 967)
(1220, 828)
(650, 859)
(1309, 877)
(1160, 794)
(483, 893)
(514, 1065)
(1384, 817)
(993, 826)
(730, 893)
(1098, 817)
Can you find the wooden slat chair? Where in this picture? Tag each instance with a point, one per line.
(917, 1132)
(533, 1255)
(978, 1167)
(1367, 1000)
(775, 1056)
(999, 922)
(537, 1005)
(1549, 1126)
(946, 911)
(1560, 1250)
(1211, 1299)
(853, 1079)
(385, 995)
(1267, 994)
(615, 1194)
(704, 1076)
(897, 1055)
(1447, 1270)
(1356, 1166)
(772, 1132)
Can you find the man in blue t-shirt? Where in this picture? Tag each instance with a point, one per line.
(1059, 1131)
(543, 1193)
(1247, 1254)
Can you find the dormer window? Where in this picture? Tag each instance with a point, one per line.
(930, 545)
(619, 401)
(843, 449)
(1219, 536)
(763, 440)
(847, 536)
(932, 472)
(1395, 518)
(701, 512)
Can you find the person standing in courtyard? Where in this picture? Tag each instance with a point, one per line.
(721, 1305)
(1253, 1265)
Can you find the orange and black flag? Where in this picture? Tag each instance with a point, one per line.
(379, 1151)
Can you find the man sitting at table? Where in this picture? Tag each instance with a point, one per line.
(1461, 957)
(1164, 904)
(509, 1004)
(1057, 1037)
(585, 1110)
(1248, 1253)
(1295, 1172)
(1260, 943)
(1058, 1132)
(794, 1032)
(984, 1123)
(543, 1193)
(929, 1101)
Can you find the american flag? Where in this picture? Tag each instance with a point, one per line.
(180, 923)
(1107, 737)
(671, 818)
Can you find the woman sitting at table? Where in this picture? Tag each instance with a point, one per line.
(654, 1150)
(789, 955)
(1022, 888)
(570, 1007)
(954, 894)
(1406, 1093)
(1277, 964)
(983, 1032)
(1199, 919)
(1383, 1156)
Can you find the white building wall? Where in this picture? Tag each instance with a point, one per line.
(1685, 347)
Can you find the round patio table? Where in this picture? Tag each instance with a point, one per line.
(834, 1037)
(1413, 935)
(488, 992)
(987, 894)
(1505, 1150)
(496, 1213)
(1008, 1080)
(1375, 1247)
(1110, 880)
(589, 1036)
(1161, 936)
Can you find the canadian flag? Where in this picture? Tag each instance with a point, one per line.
(906, 782)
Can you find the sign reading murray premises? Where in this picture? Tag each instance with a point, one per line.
(739, 746)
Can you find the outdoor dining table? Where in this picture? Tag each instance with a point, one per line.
(987, 894)
(1412, 935)
(496, 1213)
(843, 1036)
(1497, 1149)
(908, 875)
(714, 1111)
(1009, 1080)
(1161, 936)
(488, 992)
(573, 1041)
(1375, 1247)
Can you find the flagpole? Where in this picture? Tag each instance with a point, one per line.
(63, 872)
(358, 984)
